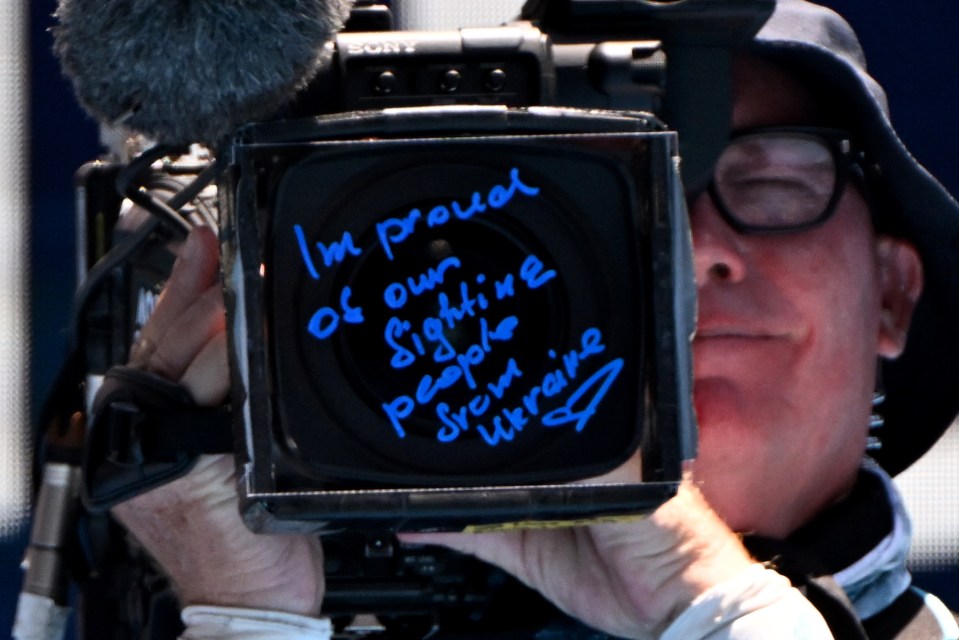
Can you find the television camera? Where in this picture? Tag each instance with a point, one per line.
(458, 279)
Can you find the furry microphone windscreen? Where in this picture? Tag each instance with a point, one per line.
(183, 71)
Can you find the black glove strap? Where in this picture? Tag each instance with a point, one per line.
(145, 431)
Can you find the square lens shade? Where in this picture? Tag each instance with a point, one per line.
(454, 312)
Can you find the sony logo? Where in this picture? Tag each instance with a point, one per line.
(376, 47)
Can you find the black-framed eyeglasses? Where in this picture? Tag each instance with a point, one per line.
(782, 179)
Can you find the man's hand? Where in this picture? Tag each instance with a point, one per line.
(192, 526)
(628, 579)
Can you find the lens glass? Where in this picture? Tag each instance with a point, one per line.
(776, 180)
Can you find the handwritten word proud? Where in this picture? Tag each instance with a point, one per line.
(393, 231)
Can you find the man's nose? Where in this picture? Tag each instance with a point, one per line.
(717, 254)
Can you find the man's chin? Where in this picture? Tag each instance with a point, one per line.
(718, 401)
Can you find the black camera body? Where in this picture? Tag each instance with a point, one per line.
(461, 290)
(494, 335)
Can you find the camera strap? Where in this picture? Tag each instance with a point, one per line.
(145, 431)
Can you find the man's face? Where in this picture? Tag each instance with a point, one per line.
(789, 330)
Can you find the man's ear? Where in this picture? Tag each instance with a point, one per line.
(900, 282)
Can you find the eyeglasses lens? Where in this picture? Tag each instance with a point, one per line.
(775, 180)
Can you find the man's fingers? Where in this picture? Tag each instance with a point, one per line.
(208, 376)
(195, 271)
(187, 334)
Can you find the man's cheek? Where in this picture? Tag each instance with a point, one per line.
(718, 402)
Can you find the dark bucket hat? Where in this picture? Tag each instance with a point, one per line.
(922, 386)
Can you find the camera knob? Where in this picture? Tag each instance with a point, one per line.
(450, 81)
(495, 80)
(384, 83)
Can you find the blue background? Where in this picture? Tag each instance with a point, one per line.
(911, 50)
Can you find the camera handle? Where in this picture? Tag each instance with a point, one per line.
(145, 431)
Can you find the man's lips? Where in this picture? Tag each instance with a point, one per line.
(716, 333)
(738, 351)
(743, 320)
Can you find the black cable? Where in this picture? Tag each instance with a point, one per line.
(130, 184)
(163, 186)
(125, 248)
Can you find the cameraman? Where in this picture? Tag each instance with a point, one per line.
(810, 260)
